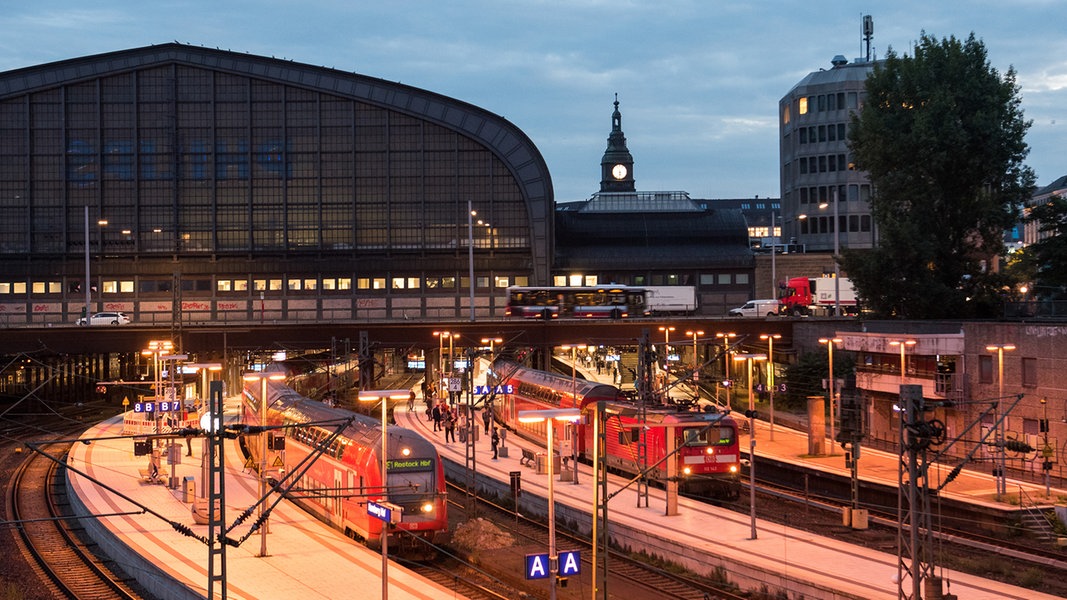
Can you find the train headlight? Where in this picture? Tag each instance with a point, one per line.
(709, 450)
(427, 507)
(733, 468)
(405, 451)
(687, 471)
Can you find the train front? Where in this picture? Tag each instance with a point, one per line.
(709, 455)
(415, 481)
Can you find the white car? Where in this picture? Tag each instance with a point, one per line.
(106, 318)
(756, 308)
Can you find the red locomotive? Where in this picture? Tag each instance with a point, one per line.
(708, 456)
(347, 474)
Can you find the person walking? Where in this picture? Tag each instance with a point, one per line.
(496, 441)
(487, 418)
(450, 424)
(436, 414)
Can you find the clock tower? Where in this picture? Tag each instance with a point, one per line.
(617, 166)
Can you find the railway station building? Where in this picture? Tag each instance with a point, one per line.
(181, 183)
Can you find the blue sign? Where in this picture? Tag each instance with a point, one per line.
(383, 513)
(537, 566)
(151, 407)
(570, 563)
(499, 389)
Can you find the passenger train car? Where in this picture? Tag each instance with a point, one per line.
(347, 474)
(708, 459)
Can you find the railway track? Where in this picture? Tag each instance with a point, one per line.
(37, 505)
(628, 577)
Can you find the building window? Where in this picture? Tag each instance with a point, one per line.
(802, 106)
(741, 278)
(985, 368)
(1029, 372)
(224, 285)
(501, 282)
(723, 279)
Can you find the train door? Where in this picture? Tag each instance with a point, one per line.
(335, 501)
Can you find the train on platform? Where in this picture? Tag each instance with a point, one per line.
(707, 458)
(337, 485)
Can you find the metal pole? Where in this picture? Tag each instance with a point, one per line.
(770, 378)
(830, 345)
(574, 398)
(1002, 484)
(774, 250)
(470, 251)
(553, 560)
(385, 524)
(88, 292)
(596, 490)
(837, 271)
(751, 452)
(262, 466)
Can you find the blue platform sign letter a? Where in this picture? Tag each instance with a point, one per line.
(570, 563)
(536, 566)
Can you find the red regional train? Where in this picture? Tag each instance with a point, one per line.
(708, 461)
(338, 485)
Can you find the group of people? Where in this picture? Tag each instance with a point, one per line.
(445, 417)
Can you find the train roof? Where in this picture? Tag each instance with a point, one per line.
(363, 430)
(669, 413)
(514, 372)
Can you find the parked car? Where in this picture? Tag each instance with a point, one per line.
(106, 318)
(756, 308)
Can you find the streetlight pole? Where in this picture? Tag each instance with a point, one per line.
(751, 414)
(547, 416)
(88, 292)
(904, 344)
(263, 378)
(440, 335)
(574, 398)
(837, 251)
(384, 396)
(770, 337)
(774, 250)
(726, 355)
(1001, 476)
(833, 398)
(666, 329)
(696, 367)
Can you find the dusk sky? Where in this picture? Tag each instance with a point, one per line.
(698, 81)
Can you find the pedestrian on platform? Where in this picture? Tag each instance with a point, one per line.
(496, 441)
(437, 416)
(487, 418)
(450, 424)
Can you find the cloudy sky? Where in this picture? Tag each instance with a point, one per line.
(698, 80)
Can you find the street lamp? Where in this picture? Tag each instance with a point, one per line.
(263, 378)
(440, 335)
(537, 416)
(726, 359)
(904, 344)
(837, 251)
(491, 342)
(748, 358)
(384, 396)
(666, 329)
(696, 368)
(830, 349)
(574, 348)
(770, 337)
(1001, 476)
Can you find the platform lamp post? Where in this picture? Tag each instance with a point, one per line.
(574, 348)
(548, 416)
(903, 344)
(770, 337)
(156, 349)
(440, 335)
(837, 252)
(830, 383)
(751, 414)
(205, 369)
(696, 366)
(1001, 479)
(384, 396)
(726, 337)
(263, 379)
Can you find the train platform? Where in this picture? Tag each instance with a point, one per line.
(706, 538)
(135, 522)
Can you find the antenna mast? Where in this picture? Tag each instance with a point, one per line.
(868, 33)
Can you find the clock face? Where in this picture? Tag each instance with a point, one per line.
(619, 171)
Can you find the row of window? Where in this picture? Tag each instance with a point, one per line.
(847, 223)
(822, 164)
(245, 285)
(823, 194)
(987, 369)
(828, 102)
(822, 133)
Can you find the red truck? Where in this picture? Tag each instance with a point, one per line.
(816, 296)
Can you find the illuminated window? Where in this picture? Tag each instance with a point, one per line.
(38, 287)
(5, 288)
(803, 109)
(240, 285)
(575, 280)
(398, 283)
(448, 282)
(224, 285)
(785, 114)
(293, 284)
(501, 282)
(259, 285)
(329, 284)
(311, 284)
(413, 283)
(275, 285)
(344, 283)
(559, 280)
(363, 283)
(378, 283)
(110, 287)
(522, 280)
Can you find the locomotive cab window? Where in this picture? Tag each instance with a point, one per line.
(726, 435)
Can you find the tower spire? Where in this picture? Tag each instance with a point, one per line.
(617, 165)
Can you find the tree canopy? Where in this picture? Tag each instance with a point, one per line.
(941, 138)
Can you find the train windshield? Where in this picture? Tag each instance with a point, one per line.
(714, 435)
(410, 483)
